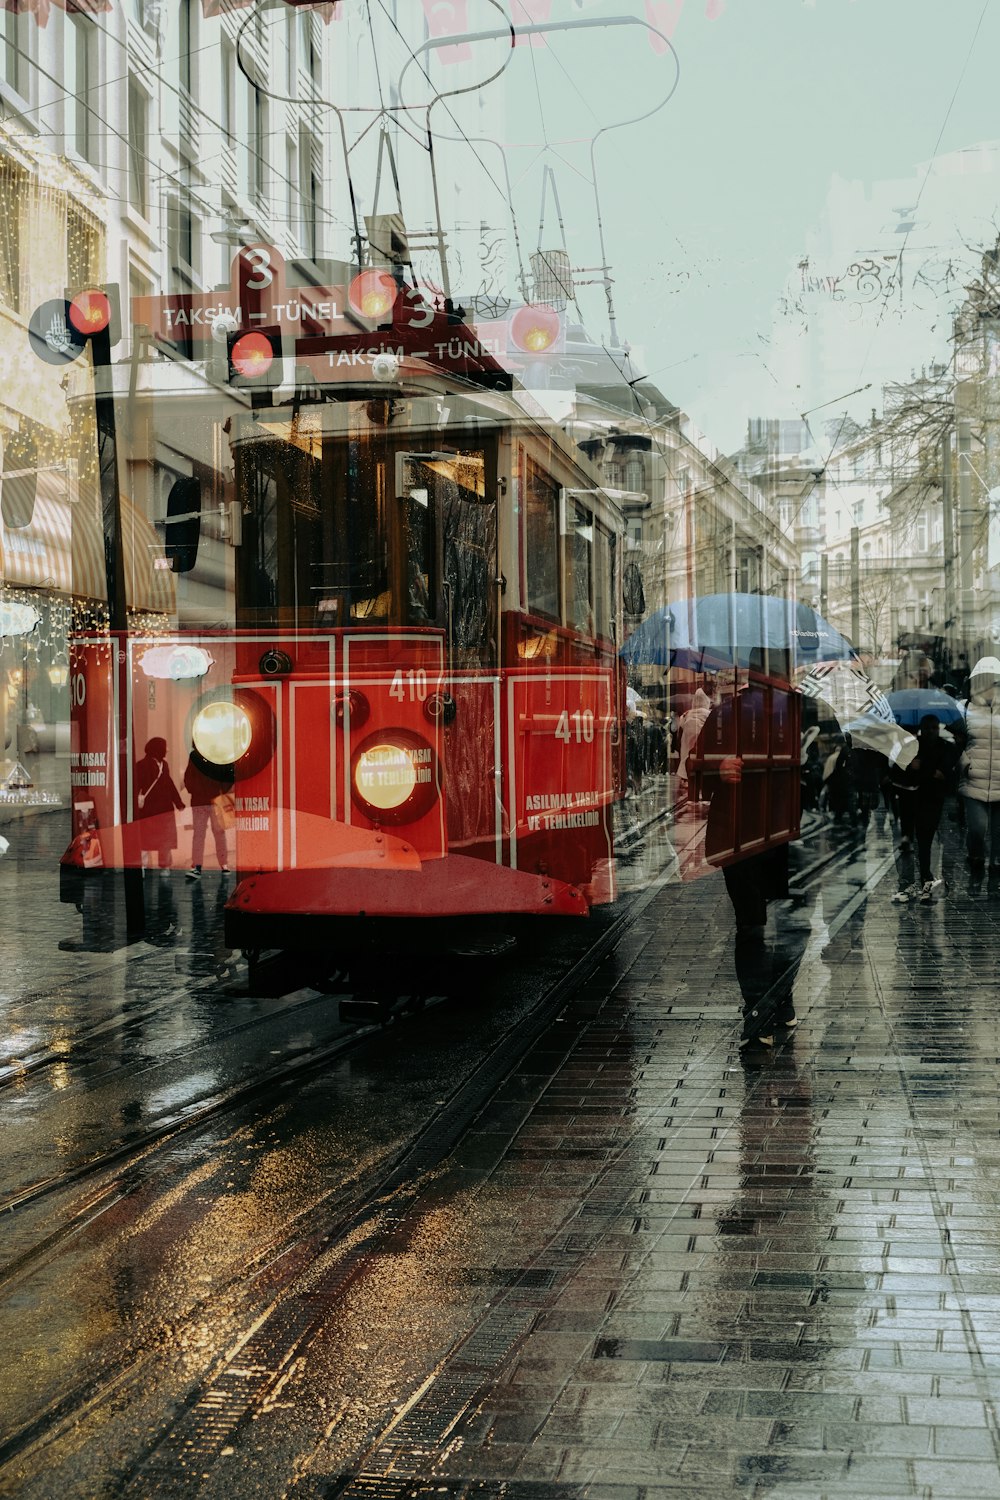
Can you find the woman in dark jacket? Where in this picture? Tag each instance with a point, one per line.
(205, 812)
(921, 795)
(156, 798)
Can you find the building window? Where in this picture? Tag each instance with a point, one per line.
(858, 510)
(13, 193)
(185, 45)
(82, 125)
(228, 93)
(921, 533)
(14, 41)
(83, 251)
(182, 245)
(310, 48)
(139, 285)
(292, 189)
(258, 143)
(138, 135)
(291, 51)
(309, 195)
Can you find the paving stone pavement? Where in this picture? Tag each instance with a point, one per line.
(777, 1280)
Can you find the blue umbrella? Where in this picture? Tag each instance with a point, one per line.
(724, 629)
(910, 704)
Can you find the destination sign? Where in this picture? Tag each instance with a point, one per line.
(339, 331)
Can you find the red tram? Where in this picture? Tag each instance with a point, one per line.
(413, 709)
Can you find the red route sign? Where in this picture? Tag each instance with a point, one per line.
(329, 337)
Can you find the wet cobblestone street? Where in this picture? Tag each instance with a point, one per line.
(650, 1267)
(773, 1281)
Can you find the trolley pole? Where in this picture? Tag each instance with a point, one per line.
(114, 565)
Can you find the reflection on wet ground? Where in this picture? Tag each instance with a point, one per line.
(646, 1264)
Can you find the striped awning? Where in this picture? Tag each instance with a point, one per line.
(46, 554)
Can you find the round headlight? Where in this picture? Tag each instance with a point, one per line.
(385, 776)
(395, 777)
(222, 732)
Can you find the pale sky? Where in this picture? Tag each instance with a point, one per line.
(797, 129)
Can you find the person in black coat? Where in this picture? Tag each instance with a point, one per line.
(921, 792)
(156, 797)
(205, 810)
(766, 962)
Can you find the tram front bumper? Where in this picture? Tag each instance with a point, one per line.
(299, 908)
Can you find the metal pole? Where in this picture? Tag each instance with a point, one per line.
(948, 538)
(855, 587)
(824, 585)
(968, 517)
(114, 562)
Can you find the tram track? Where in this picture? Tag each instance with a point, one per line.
(23, 1067)
(353, 1204)
(192, 1115)
(135, 1152)
(200, 1429)
(432, 1143)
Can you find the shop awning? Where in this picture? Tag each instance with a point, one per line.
(47, 555)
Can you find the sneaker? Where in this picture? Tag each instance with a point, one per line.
(928, 888)
(906, 894)
(756, 1041)
(193, 874)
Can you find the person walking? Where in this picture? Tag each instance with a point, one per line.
(980, 765)
(766, 962)
(157, 798)
(921, 803)
(203, 791)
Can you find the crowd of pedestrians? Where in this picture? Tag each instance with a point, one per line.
(955, 763)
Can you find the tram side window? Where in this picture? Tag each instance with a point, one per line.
(416, 491)
(450, 542)
(470, 549)
(368, 531)
(259, 553)
(580, 567)
(605, 582)
(541, 526)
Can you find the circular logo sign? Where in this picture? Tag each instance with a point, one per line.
(52, 335)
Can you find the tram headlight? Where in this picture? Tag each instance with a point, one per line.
(395, 776)
(385, 776)
(221, 732)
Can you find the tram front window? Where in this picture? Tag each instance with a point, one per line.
(345, 524)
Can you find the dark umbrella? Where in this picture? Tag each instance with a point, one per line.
(910, 704)
(724, 629)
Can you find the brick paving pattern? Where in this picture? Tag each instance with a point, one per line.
(781, 1280)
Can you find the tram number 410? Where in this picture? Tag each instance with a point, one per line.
(577, 726)
(409, 685)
